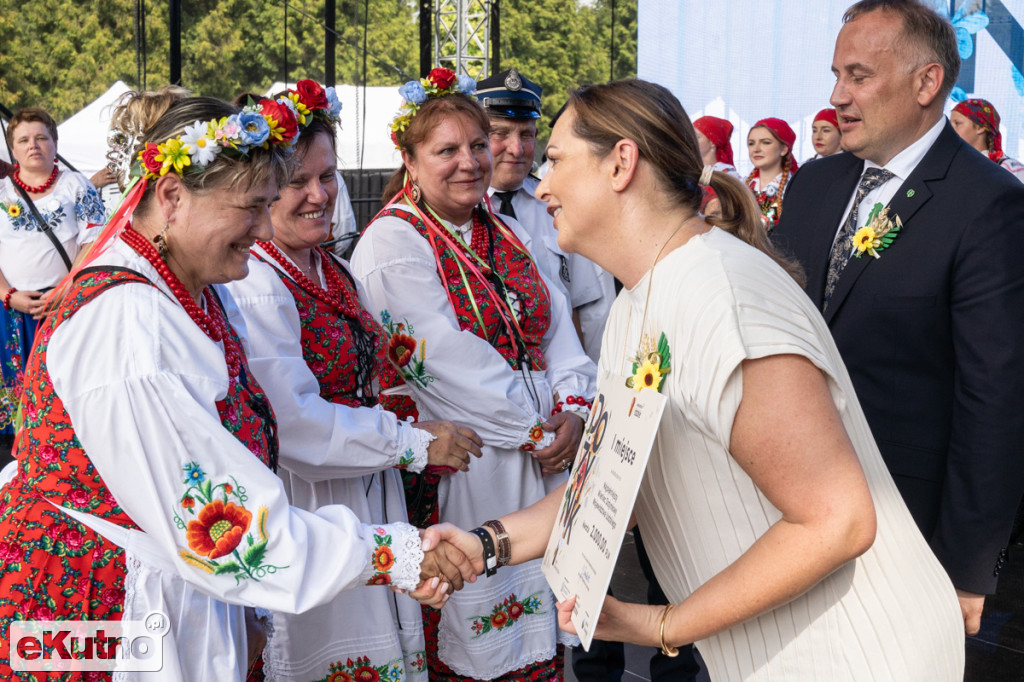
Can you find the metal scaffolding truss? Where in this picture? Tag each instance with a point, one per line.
(462, 36)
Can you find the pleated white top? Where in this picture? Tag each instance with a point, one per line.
(891, 614)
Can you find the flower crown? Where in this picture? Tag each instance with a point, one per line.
(258, 126)
(438, 83)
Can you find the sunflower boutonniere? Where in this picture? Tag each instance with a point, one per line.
(651, 364)
(878, 234)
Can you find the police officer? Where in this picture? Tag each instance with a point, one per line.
(513, 103)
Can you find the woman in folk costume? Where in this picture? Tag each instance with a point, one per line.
(316, 351)
(475, 337)
(770, 145)
(977, 122)
(145, 479)
(825, 134)
(31, 263)
(713, 135)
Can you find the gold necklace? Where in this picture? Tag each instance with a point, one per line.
(644, 340)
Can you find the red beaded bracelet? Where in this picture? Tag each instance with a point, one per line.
(572, 400)
(7, 298)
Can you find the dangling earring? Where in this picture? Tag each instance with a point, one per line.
(161, 243)
(416, 193)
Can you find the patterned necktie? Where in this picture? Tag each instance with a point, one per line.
(841, 249)
(506, 203)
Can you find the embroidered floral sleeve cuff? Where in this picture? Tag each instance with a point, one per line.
(412, 447)
(537, 438)
(394, 556)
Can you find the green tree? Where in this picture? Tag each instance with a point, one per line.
(62, 54)
(562, 44)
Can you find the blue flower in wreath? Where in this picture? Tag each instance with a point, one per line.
(333, 103)
(385, 317)
(194, 474)
(413, 92)
(255, 130)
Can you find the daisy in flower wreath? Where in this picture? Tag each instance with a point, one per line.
(158, 456)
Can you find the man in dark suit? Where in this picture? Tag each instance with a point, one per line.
(929, 317)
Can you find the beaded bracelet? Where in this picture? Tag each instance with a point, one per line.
(572, 400)
(7, 298)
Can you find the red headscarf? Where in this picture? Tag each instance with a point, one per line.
(718, 130)
(783, 133)
(827, 115)
(984, 114)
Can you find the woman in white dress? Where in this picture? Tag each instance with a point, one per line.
(316, 351)
(145, 479)
(30, 262)
(767, 511)
(476, 338)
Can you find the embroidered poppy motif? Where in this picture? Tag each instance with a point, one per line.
(507, 613)
(84, 573)
(383, 559)
(402, 350)
(362, 669)
(220, 527)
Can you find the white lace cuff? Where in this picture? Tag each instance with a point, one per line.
(394, 555)
(412, 447)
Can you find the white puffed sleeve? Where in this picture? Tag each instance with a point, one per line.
(144, 409)
(457, 374)
(90, 214)
(320, 440)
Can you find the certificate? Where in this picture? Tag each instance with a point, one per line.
(599, 497)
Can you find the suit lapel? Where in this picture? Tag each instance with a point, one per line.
(908, 200)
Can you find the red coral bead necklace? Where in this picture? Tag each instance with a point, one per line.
(38, 189)
(334, 294)
(212, 323)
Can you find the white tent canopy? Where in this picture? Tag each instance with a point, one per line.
(83, 137)
(366, 135)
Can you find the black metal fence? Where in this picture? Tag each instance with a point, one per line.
(364, 189)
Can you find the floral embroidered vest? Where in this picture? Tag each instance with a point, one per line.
(528, 293)
(333, 343)
(51, 461)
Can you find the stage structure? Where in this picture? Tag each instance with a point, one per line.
(466, 36)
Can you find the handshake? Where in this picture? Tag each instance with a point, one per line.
(451, 558)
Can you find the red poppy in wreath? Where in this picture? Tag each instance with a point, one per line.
(400, 349)
(282, 122)
(218, 529)
(311, 94)
(149, 155)
(442, 78)
(515, 610)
